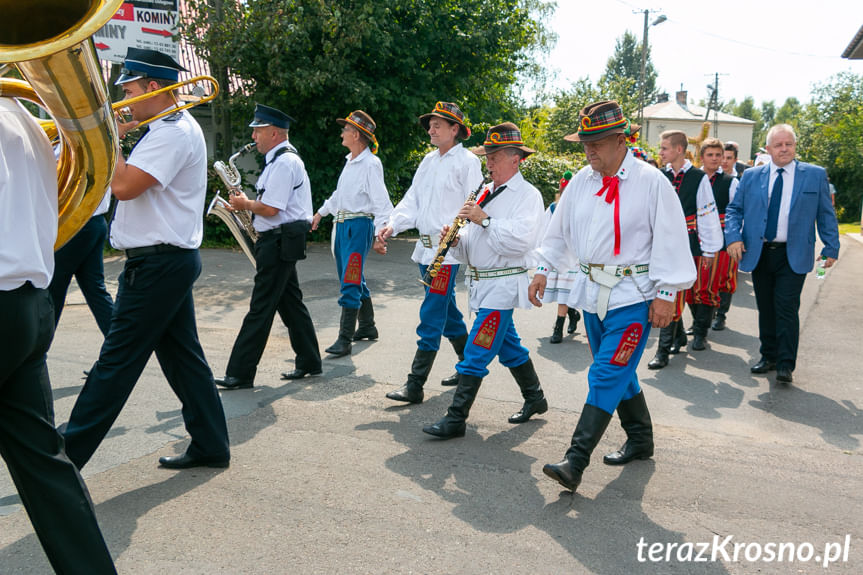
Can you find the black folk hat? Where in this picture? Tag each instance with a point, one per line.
(506, 135)
(449, 112)
(596, 121)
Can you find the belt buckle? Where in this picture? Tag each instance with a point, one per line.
(626, 272)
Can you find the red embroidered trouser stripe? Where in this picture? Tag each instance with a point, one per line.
(705, 289)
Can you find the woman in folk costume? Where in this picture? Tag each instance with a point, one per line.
(360, 205)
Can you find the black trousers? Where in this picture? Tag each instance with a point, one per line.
(777, 295)
(154, 311)
(50, 486)
(81, 257)
(277, 288)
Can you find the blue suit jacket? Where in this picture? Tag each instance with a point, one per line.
(746, 217)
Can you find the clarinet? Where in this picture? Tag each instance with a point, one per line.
(458, 223)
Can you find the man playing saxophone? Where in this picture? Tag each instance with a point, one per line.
(440, 186)
(282, 216)
(498, 245)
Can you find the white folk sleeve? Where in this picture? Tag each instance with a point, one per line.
(707, 218)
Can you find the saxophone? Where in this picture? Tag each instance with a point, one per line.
(443, 247)
(239, 222)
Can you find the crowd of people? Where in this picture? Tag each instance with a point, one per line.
(623, 249)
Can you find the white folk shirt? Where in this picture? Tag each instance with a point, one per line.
(286, 187)
(439, 189)
(785, 204)
(710, 236)
(361, 189)
(653, 232)
(28, 200)
(170, 212)
(517, 218)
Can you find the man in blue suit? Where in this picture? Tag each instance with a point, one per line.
(770, 229)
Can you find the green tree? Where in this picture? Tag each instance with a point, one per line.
(789, 113)
(768, 113)
(320, 59)
(622, 75)
(830, 134)
(747, 109)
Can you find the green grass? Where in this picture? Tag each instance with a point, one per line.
(853, 228)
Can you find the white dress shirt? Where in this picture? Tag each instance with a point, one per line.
(710, 236)
(28, 200)
(517, 218)
(785, 205)
(439, 189)
(286, 187)
(653, 232)
(361, 189)
(171, 212)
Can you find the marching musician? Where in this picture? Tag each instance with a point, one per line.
(159, 224)
(705, 239)
(507, 223)
(622, 224)
(724, 187)
(50, 486)
(445, 178)
(282, 215)
(360, 205)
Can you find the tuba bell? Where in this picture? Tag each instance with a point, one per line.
(239, 222)
(49, 42)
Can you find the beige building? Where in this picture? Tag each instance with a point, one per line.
(679, 115)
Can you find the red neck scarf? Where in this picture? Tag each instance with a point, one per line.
(612, 187)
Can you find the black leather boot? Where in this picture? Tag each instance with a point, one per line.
(703, 316)
(591, 425)
(666, 337)
(347, 327)
(574, 316)
(453, 423)
(366, 328)
(678, 342)
(412, 390)
(635, 420)
(534, 399)
(458, 344)
(557, 333)
(722, 311)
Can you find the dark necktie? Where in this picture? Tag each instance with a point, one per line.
(773, 207)
(488, 197)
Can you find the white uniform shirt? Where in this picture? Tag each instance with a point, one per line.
(361, 188)
(286, 187)
(28, 200)
(710, 236)
(517, 218)
(653, 232)
(170, 212)
(439, 189)
(785, 204)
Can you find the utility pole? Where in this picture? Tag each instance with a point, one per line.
(713, 103)
(659, 20)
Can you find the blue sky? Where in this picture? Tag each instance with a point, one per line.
(759, 50)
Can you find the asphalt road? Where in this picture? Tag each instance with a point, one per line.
(328, 476)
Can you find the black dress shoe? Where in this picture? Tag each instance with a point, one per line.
(186, 461)
(718, 324)
(300, 373)
(658, 362)
(450, 381)
(408, 394)
(528, 410)
(230, 382)
(629, 452)
(446, 428)
(783, 375)
(763, 366)
(563, 473)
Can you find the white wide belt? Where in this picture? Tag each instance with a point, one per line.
(477, 274)
(608, 276)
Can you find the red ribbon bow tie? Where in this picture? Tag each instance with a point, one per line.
(611, 189)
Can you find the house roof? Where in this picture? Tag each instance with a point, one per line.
(674, 111)
(854, 51)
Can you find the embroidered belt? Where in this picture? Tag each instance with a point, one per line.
(477, 274)
(342, 216)
(621, 271)
(426, 240)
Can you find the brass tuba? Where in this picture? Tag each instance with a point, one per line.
(239, 222)
(49, 43)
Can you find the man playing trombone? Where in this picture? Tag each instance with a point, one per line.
(159, 224)
(442, 183)
(282, 216)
